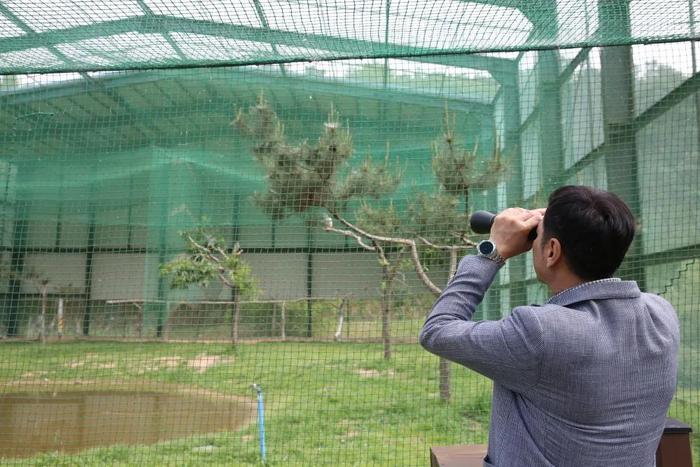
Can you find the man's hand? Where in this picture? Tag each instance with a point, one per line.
(510, 230)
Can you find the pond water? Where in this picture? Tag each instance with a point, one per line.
(31, 423)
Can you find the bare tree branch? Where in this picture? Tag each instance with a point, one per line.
(382, 255)
(393, 271)
(225, 280)
(348, 233)
(204, 250)
(378, 238)
(415, 257)
(421, 272)
(453, 263)
(467, 244)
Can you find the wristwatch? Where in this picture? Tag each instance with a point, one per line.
(487, 249)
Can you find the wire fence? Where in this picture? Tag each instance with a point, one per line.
(207, 210)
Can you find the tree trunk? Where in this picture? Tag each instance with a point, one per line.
(273, 321)
(44, 296)
(453, 263)
(341, 318)
(445, 377)
(387, 301)
(140, 317)
(445, 367)
(235, 315)
(59, 322)
(466, 201)
(283, 321)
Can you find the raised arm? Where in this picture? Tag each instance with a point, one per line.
(508, 350)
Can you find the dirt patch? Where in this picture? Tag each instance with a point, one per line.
(106, 366)
(374, 373)
(163, 363)
(198, 364)
(202, 363)
(168, 362)
(84, 359)
(34, 374)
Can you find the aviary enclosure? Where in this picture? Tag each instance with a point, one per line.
(200, 197)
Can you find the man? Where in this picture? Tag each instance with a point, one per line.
(585, 379)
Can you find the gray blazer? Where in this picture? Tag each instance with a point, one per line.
(584, 380)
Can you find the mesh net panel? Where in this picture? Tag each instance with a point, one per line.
(137, 34)
(127, 144)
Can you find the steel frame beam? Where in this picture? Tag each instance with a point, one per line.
(336, 46)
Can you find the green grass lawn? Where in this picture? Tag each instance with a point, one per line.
(335, 403)
(326, 403)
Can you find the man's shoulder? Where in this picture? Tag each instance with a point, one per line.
(595, 312)
(556, 319)
(545, 313)
(656, 300)
(661, 308)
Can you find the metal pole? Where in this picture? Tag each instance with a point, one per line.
(261, 421)
(620, 146)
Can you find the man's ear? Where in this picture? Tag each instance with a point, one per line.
(552, 252)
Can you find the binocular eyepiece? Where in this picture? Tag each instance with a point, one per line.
(481, 221)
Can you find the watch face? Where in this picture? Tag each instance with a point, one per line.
(486, 247)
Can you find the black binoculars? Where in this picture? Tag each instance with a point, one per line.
(481, 221)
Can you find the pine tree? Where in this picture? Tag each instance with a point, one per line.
(207, 259)
(305, 177)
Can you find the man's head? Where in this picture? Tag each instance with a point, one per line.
(586, 231)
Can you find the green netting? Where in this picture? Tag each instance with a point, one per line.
(117, 35)
(120, 129)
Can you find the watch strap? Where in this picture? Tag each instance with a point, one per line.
(493, 255)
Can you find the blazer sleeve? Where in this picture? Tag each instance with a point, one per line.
(508, 351)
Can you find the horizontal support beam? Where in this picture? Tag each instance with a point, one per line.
(686, 89)
(685, 253)
(669, 256)
(380, 94)
(336, 47)
(174, 251)
(650, 259)
(297, 86)
(304, 84)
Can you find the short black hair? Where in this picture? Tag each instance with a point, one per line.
(594, 227)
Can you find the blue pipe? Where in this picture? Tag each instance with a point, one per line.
(261, 421)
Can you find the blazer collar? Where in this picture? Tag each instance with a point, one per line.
(596, 290)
